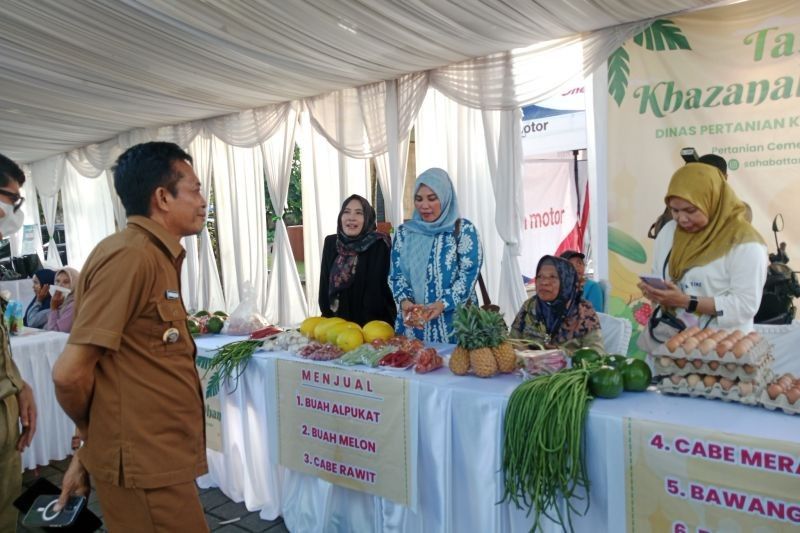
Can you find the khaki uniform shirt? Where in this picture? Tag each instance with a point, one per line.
(146, 419)
(10, 379)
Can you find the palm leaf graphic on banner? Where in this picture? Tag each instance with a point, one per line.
(661, 35)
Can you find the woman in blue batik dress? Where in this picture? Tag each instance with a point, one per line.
(436, 259)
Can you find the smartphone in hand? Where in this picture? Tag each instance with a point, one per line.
(41, 513)
(655, 282)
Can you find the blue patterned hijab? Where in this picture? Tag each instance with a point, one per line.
(421, 234)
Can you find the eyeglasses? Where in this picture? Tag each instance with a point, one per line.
(16, 199)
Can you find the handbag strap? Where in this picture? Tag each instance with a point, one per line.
(484, 293)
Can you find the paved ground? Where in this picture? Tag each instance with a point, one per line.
(219, 509)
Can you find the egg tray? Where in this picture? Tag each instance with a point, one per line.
(740, 373)
(781, 402)
(715, 392)
(751, 357)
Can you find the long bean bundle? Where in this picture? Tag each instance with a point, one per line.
(543, 457)
(229, 361)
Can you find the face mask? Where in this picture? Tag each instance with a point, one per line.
(11, 222)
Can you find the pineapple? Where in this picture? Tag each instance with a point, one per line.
(501, 349)
(459, 360)
(481, 358)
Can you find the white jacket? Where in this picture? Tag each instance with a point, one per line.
(735, 281)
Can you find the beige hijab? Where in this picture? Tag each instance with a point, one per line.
(704, 187)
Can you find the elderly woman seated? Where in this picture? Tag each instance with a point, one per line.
(558, 316)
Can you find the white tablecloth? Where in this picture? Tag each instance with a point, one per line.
(35, 355)
(20, 289)
(460, 455)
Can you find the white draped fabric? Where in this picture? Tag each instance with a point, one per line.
(361, 117)
(200, 284)
(286, 303)
(450, 136)
(88, 215)
(75, 73)
(31, 210)
(328, 178)
(460, 456)
(241, 221)
(504, 152)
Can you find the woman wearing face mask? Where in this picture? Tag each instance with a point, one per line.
(558, 316)
(436, 259)
(38, 310)
(714, 262)
(355, 267)
(61, 303)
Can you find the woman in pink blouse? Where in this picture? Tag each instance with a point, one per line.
(62, 303)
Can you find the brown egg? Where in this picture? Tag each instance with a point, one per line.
(713, 365)
(709, 381)
(703, 335)
(692, 331)
(726, 383)
(680, 363)
(719, 335)
(749, 369)
(676, 379)
(774, 390)
(707, 346)
(755, 337)
(690, 344)
(697, 363)
(785, 381)
(742, 347)
(735, 337)
(724, 347)
(792, 395)
(745, 388)
(673, 344)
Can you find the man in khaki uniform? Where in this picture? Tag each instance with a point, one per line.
(16, 397)
(127, 376)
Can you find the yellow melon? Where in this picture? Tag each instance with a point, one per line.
(308, 325)
(321, 329)
(377, 329)
(349, 339)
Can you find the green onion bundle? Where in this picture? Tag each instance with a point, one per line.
(543, 445)
(230, 360)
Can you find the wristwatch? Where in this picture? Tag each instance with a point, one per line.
(692, 307)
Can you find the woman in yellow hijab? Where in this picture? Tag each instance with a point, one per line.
(713, 260)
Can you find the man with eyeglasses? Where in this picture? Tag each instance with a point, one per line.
(16, 396)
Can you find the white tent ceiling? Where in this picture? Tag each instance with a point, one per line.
(76, 72)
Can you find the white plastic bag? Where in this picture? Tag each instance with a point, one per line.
(246, 318)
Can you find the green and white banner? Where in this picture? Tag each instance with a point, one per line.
(724, 81)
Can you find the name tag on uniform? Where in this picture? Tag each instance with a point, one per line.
(173, 295)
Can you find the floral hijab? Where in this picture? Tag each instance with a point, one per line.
(344, 266)
(567, 316)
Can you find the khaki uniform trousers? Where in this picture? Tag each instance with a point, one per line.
(10, 463)
(161, 510)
